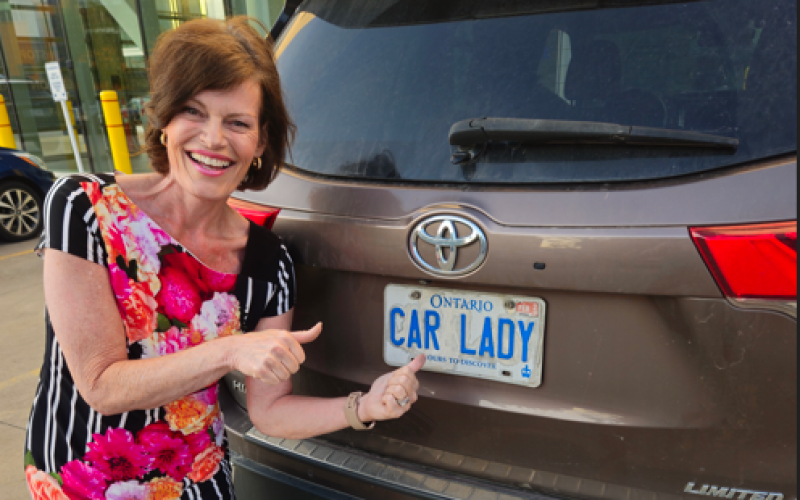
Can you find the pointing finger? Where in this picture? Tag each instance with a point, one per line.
(417, 363)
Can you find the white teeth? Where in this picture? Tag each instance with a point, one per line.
(211, 162)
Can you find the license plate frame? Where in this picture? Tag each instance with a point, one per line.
(459, 341)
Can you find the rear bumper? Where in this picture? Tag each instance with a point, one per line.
(252, 480)
(311, 470)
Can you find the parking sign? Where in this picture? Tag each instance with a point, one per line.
(56, 81)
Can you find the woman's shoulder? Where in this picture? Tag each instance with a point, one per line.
(77, 182)
(265, 254)
(72, 192)
(69, 215)
(267, 260)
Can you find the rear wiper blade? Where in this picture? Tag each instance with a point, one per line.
(284, 18)
(477, 131)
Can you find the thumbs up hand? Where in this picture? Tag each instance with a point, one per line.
(307, 336)
(392, 394)
(272, 356)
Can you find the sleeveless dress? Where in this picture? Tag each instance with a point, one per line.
(168, 301)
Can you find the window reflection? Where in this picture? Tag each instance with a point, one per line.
(100, 45)
(31, 36)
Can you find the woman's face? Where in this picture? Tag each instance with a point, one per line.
(213, 139)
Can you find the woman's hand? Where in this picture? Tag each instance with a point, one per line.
(271, 356)
(392, 395)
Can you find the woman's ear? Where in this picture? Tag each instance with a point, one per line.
(262, 142)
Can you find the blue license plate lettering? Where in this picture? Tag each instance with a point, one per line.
(468, 334)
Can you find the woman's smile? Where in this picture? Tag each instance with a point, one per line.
(210, 164)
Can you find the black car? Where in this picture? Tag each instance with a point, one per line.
(24, 181)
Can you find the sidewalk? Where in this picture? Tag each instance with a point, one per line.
(22, 333)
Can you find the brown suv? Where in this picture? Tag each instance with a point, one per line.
(583, 212)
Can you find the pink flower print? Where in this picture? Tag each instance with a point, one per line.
(162, 238)
(198, 442)
(120, 282)
(218, 426)
(129, 490)
(194, 336)
(139, 312)
(118, 202)
(43, 486)
(171, 455)
(109, 226)
(92, 190)
(206, 464)
(172, 341)
(82, 481)
(164, 488)
(117, 456)
(209, 395)
(219, 317)
(116, 244)
(141, 246)
(169, 342)
(189, 415)
(178, 297)
(217, 282)
(191, 267)
(153, 430)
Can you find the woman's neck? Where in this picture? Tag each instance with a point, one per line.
(179, 212)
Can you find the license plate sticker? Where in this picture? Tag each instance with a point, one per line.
(483, 335)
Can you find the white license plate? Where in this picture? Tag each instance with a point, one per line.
(483, 335)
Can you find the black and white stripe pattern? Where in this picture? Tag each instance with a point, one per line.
(281, 296)
(61, 423)
(265, 299)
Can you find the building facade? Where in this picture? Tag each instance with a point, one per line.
(99, 45)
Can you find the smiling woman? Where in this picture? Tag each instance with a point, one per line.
(150, 280)
(187, 63)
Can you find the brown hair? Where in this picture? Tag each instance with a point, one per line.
(208, 54)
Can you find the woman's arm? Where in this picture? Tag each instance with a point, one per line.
(277, 413)
(90, 332)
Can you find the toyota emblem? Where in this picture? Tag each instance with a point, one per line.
(441, 231)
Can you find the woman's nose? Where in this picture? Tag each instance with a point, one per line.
(214, 133)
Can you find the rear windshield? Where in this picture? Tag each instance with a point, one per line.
(376, 85)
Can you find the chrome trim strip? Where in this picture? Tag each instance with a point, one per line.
(784, 307)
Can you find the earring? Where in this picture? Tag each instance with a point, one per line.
(257, 163)
(163, 138)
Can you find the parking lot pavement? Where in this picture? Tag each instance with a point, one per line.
(22, 341)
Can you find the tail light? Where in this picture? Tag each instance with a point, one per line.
(260, 214)
(752, 262)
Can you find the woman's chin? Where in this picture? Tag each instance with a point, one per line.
(211, 189)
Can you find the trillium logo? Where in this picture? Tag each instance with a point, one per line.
(442, 233)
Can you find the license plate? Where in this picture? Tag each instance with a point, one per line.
(482, 335)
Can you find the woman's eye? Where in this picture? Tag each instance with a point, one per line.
(191, 111)
(240, 124)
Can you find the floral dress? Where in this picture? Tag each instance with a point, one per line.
(168, 301)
